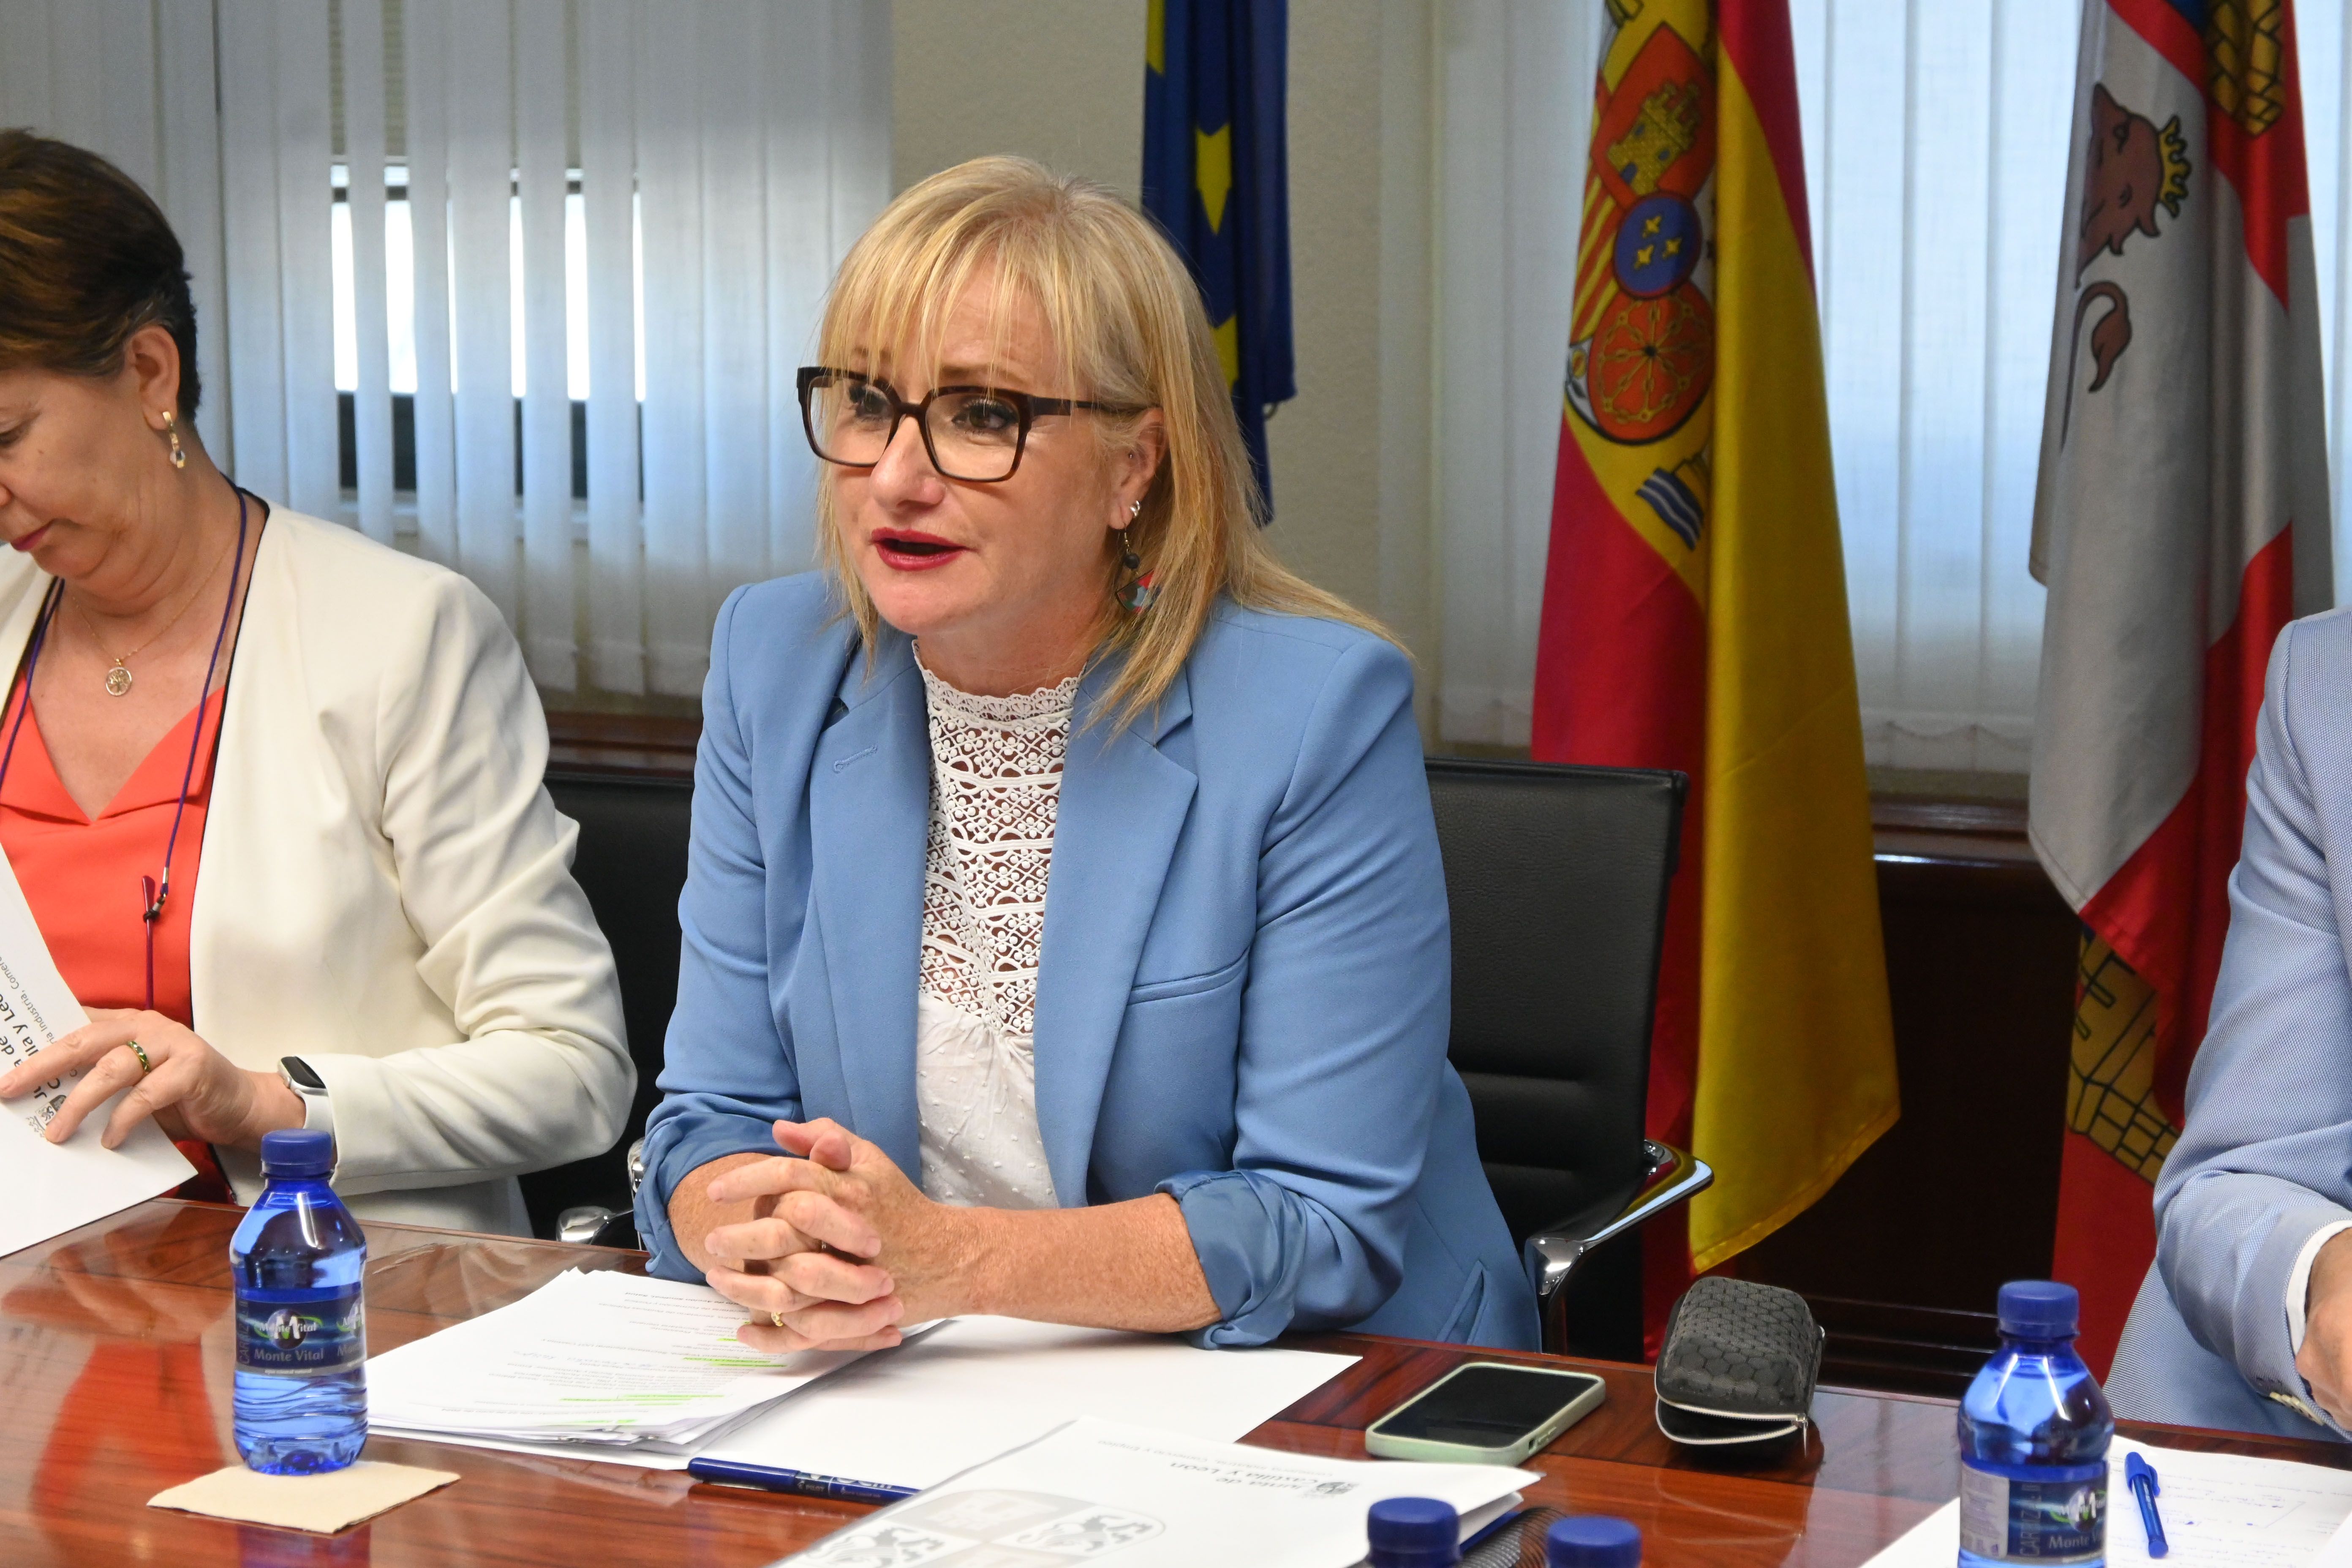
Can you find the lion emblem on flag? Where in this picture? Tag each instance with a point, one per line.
(2133, 168)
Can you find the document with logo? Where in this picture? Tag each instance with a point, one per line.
(54, 1187)
(1136, 1498)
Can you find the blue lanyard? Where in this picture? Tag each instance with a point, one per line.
(152, 894)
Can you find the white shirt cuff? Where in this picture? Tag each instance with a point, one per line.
(2298, 1283)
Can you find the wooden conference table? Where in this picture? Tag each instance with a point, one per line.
(114, 1383)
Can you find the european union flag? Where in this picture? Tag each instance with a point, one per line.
(1217, 176)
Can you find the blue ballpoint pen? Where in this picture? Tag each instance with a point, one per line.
(2140, 1477)
(806, 1483)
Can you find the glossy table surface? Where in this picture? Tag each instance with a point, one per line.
(114, 1383)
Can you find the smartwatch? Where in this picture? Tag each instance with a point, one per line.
(318, 1109)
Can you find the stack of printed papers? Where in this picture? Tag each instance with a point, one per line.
(1155, 1499)
(602, 1360)
(649, 1372)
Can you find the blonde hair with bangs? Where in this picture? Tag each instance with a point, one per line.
(1128, 326)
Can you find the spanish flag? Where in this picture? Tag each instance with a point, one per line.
(1694, 615)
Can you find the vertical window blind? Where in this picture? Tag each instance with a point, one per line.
(1936, 147)
(520, 284)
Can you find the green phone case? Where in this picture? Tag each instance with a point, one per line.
(1388, 1446)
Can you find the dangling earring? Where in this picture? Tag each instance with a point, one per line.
(1138, 591)
(172, 428)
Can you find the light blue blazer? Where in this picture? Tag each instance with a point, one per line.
(1244, 993)
(2266, 1157)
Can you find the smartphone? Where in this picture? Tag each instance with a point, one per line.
(1486, 1413)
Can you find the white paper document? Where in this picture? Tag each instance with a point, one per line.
(974, 1387)
(1101, 1491)
(598, 1360)
(649, 1372)
(2220, 1510)
(54, 1187)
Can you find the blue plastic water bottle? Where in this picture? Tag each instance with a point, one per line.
(1592, 1540)
(301, 1329)
(1414, 1532)
(2034, 1430)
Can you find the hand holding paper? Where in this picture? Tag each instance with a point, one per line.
(190, 1089)
(54, 1187)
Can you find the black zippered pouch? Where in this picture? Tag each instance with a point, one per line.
(1738, 1364)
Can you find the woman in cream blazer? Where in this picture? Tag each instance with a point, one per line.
(374, 928)
(386, 889)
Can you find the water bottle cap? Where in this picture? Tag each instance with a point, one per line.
(1414, 1533)
(1592, 1540)
(2038, 1310)
(297, 1151)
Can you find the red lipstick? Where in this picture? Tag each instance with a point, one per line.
(910, 549)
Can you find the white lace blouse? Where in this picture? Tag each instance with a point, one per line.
(996, 783)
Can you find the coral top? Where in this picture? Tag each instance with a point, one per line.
(81, 875)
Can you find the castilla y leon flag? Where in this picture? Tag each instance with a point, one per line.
(2181, 520)
(1695, 615)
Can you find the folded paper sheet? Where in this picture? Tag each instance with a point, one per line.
(321, 1504)
(54, 1187)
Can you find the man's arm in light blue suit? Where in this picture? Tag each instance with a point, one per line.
(726, 1074)
(2264, 1160)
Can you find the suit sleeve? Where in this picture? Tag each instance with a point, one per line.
(540, 1073)
(1344, 1026)
(727, 1073)
(2261, 1166)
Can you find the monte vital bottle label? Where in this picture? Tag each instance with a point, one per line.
(300, 1332)
(2034, 1513)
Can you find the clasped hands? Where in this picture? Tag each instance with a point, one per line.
(842, 1248)
(2326, 1359)
(190, 1089)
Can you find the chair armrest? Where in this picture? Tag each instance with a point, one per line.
(593, 1225)
(1551, 1254)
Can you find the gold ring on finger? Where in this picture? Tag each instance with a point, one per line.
(145, 1067)
(777, 1319)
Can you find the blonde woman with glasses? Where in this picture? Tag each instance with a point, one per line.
(1065, 900)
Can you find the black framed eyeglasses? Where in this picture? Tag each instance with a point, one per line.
(976, 434)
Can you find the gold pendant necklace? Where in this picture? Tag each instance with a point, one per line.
(117, 677)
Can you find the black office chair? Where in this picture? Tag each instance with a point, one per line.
(632, 864)
(1557, 878)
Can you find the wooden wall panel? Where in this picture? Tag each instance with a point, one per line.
(1903, 1258)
